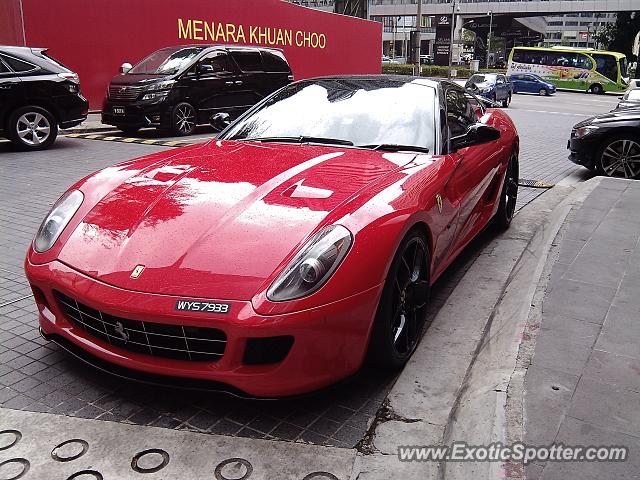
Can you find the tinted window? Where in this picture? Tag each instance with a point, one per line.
(248, 61)
(18, 65)
(3, 68)
(275, 62)
(606, 65)
(218, 60)
(365, 112)
(460, 114)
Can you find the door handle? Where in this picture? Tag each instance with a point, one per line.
(228, 83)
(238, 82)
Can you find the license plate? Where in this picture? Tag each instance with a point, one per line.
(200, 306)
(118, 110)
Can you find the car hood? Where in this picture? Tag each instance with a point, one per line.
(610, 117)
(216, 222)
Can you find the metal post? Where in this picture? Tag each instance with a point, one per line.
(489, 36)
(453, 25)
(418, 38)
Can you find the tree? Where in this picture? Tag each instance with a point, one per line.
(619, 36)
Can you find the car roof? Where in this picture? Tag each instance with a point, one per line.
(225, 46)
(21, 50)
(427, 81)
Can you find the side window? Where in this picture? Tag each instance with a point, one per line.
(219, 61)
(606, 65)
(17, 65)
(460, 114)
(3, 68)
(584, 62)
(275, 62)
(500, 80)
(248, 61)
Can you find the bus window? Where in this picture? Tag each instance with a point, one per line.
(606, 65)
(584, 62)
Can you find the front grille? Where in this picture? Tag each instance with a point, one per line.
(117, 92)
(157, 339)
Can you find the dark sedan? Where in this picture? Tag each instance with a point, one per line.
(608, 143)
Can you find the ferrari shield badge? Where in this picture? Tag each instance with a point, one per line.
(439, 202)
(137, 271)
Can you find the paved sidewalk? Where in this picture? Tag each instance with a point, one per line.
(583, 386)
(93, 123)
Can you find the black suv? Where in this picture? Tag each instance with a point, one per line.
(177, 88)
(37, 94)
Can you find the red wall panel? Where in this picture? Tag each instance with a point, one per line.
(95, 38)
(10, 23)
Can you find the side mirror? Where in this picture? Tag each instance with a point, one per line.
(204, 68)
(220, 121)
(477, 134)
(125, 67)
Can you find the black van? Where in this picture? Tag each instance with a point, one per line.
(37, 94)
(177, 88)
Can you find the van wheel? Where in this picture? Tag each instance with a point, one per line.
(183, 119)
(32, 128)
(597, 89)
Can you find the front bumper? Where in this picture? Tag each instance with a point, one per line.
(329, 345)
(139, 114)
(583, 151)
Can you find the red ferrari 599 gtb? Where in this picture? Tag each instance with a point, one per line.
(277, 258)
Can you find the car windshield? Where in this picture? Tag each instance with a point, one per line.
(362, 112)
(634, 95)
(489, 78)
(166, 61)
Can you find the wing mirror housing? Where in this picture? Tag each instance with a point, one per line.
(204, 69)
(125, 67)
(477, 134)
(220, 121)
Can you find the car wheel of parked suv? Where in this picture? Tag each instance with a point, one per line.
(183, 119)
(32, 128)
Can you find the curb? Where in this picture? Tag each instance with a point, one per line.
(479, 415)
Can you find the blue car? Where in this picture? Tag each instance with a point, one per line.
(492, 86)
(530, 83)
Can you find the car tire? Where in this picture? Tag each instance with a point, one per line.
(401, 314)
(494, 98)
(543, 92)
(508, 195)
(612, 150)
(129, 130)
(506, 101)
(596, 89)
(32, 128)
(183, 119)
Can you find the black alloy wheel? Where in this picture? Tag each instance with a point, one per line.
(508, 195)
(402, 309)
(620, 157)
(183, 119)
(506, 101)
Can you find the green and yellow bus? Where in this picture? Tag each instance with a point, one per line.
(595, 71)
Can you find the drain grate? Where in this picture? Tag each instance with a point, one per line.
(523, 182)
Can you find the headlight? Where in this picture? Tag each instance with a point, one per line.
(57, 219)
(155, 96)
(165, 85)
(584, 131)
(313, 265)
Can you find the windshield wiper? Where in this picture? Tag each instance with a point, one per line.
(299, 139)
(394, 147)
